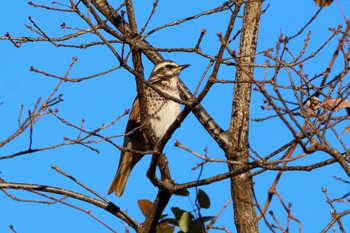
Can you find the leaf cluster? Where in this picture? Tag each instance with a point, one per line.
(184, 220)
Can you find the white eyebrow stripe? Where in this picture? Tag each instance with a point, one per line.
(164, 64)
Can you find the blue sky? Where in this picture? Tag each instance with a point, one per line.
(101, 100)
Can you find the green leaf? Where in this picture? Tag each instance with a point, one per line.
(145, 206)
(182, 192)
(203, 199)
(185, 222)
(177, 212)
(204, 219)
(163, 216)
(197, 225)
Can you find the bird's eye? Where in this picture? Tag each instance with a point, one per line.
(169, 66)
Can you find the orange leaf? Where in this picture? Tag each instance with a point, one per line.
(145, 206)
(165, 228)
(321, 3)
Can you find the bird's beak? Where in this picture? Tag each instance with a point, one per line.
(184, 66)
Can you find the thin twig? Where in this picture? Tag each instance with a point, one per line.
(78, 182)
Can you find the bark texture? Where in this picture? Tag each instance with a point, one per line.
(241, 186)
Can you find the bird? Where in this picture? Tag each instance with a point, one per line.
(162, 113)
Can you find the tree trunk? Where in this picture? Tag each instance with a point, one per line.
(241, 186)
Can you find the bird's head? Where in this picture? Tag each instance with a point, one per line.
(166, 70)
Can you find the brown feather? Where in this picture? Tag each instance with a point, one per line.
(134, 139)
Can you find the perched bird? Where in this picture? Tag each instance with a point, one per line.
(162, 113)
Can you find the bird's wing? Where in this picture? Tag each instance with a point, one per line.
(128, 159)
(134, 137)
(134, 121)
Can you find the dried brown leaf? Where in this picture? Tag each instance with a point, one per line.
(322, 3)
(335, 104)
(346, 130)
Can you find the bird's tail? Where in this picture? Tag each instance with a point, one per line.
(122, 175)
